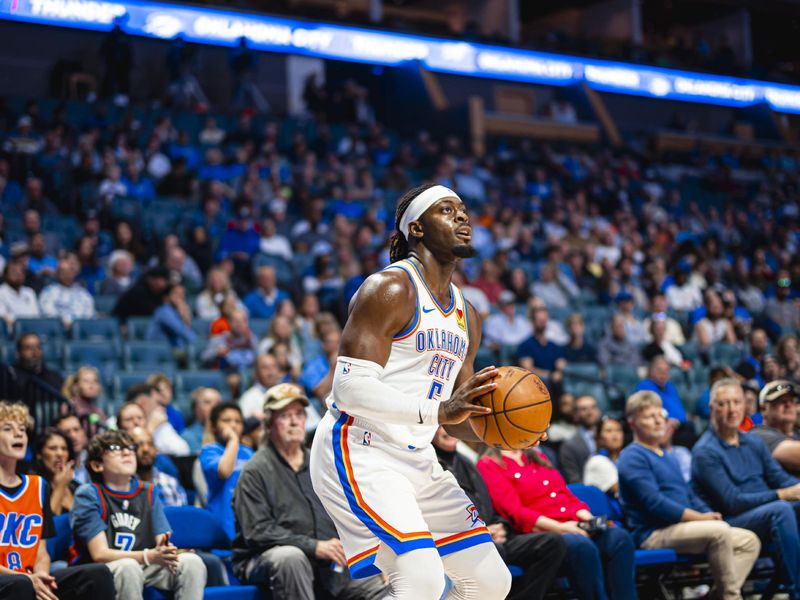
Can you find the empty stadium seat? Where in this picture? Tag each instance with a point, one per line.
(727, 355)
(96, 330)
(101, 355)
(45, 328)
(137, 328)
(186, 381)
(148, 355)
(122, 381)
(259, 327)
(58, 545)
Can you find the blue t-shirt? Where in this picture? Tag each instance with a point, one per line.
(314, 372)
(220, 491)
(544, 356)
(669, 398)
(261, 307)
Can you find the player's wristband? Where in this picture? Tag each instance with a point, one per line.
(144, 558)
(358, 390)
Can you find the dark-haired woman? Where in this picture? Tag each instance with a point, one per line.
(55, 461)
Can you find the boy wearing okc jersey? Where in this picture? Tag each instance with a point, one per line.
(405, 366)
(26, 520)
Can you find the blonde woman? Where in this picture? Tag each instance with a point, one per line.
(83, 389)
(217, 289)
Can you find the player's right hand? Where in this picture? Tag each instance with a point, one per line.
(331, 550)
(461, 404)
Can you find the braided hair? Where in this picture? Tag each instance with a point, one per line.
(398, 245)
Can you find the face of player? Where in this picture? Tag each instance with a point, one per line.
(13, 439)
(71, 427)
(131, 416)
(650, 425)
(288, 425)
(54, 453)
(447, 229)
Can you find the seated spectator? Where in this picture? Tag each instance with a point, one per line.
(573, 453)
(41, 264)
(658, 312)
(540, 554)
(680, 453)
(736, 475)
(265, 298)
(162, 385)
(118, 279)
(283, 330)
(664, 512)
(488, 281)
(788, 357)
(634, 329)
(130, 416)
(218, 287)
(473, 295)
(222, 461)
(265, 375)
(233, 351)
(615, 348)
(54, 461)
(17, 301)
(66, 299)
(658, 381)
(204, 399)
(317, 375)
(226, 308)
(169, 490)
(273, 243)
(778, 402)
(714, 327)
(601, 468)
(70, 426)
(90, 271)
(530, 493)
(172, 320)
(554, 288)
(578, 350)
(167, 440)
(83, 389)
(562, 424)
(659, 344)
(25, 573)
(751, 365)
(143, 297)
(506, 328)
(782, 308)
(240, 242)
(284, 538)
(30, 364)
(538, 353)
(683, 294)
(117, 521)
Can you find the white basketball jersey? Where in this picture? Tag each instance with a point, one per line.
(426, 357)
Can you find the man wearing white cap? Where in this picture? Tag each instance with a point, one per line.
(405, 366)
(778, 403)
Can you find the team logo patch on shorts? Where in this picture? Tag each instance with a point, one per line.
(367, 441)
(472, 515)
(346, 368)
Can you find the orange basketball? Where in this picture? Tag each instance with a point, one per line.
(521, 410)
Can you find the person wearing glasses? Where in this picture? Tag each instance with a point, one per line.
(778, 402)
(118, 520)
(735, 474)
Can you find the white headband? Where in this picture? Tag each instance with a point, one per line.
(422, 203)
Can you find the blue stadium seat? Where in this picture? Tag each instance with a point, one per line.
(58, 545)
(260, 327)
(593, 497)
(103, 356)
(96, 330)
(124, 380)
(137, 327)
(586, 371)
(727, 355)
(104, 304)
(138, 356)
(202, 327)
(186, 381)
(46, 329)
(623, 376)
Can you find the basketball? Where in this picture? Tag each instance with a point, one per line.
(521, 410)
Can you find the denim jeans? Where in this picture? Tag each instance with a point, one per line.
(776, 523)
(586, 559)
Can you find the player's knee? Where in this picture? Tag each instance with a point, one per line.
(418, 575)
(492, 579)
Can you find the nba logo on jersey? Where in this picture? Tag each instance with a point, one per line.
(367, 441)
(346, 368)
(472, 515)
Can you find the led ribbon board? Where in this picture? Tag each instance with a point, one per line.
(274, 34)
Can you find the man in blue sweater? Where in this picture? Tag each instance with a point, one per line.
(664, 512)
(736, 474)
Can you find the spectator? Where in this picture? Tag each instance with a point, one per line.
(555, 288)
(169, 490)
(575, 452)
(284, 538)
(17, 301)
(116, 521)
(91, 272)
(130, 416)
(578, 350)
(233, 351)
(118, 279)
(683, 294)
(615, 348)
(488, 281)
(658, 381)
(180, 266)
(240, 243)
(264, 300)
(167, 440)
(162, 386)
(659, 344)
(227, 307)
(30, 364)
(65, 298)
(172, 321)
(317, 376)
(674, 331)
(562, 424)
(222, 461)
(681, 453)
(736, 475)
(143, 297)
(531, 494)
(783, 308)
(506, 328)
(601, 468)
(218, 288)
(538, 353)
(715, 327)
(788, 357)
(473, 295)
(83, 389)
(751, 364)
(70, 426)
(634, 329)
(266, 374)
(664, 512)
(540, 554)
(282, 330)
(40, 263)
(26, 573)
(54, 460)
(778, 403)
(204, 399)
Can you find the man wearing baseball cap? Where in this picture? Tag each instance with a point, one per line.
(284, 538)
(778, 403)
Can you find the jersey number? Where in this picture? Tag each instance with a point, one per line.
(14, 561)
(124, 541)
(436, 390)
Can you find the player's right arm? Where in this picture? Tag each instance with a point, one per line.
(384, 305)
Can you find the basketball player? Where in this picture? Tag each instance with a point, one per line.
(405, 366)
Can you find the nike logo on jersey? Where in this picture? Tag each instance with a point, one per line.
(426, 310)
(419, 412)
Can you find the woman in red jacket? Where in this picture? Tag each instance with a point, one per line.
(530, 493)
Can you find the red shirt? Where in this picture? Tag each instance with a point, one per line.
(523, 493)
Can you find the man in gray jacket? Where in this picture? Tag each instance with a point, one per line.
(284, 538)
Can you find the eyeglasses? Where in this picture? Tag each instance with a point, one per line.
(117, 448)
(784, 282)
